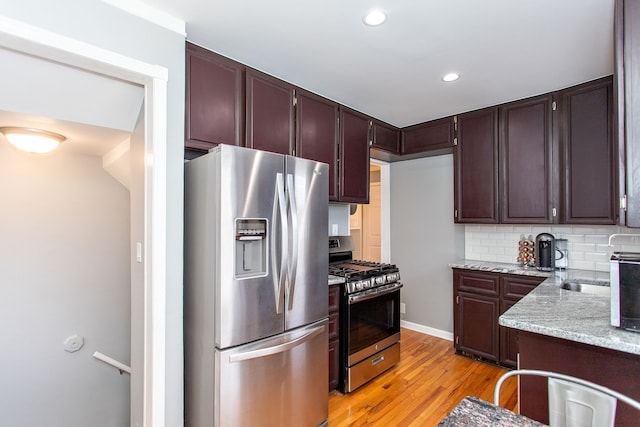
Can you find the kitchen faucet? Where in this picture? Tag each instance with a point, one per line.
(621, 234)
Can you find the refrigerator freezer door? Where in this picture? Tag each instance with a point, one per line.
(306, 290)
(248, 307)
(279, 381)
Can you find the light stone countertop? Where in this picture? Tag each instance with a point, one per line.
(556, 312)
(334, 280)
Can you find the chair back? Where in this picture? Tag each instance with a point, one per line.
(575, 405)
(574, 402)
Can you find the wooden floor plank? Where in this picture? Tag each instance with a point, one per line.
(428, 382)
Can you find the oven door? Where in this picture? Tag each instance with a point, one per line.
(373, 322)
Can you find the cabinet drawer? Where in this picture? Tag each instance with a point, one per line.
(479, 283)
(515, 287)
(334, 319)
(334, 298)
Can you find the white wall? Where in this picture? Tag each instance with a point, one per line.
(424, 240)
(104, 26)
(64, 270)
(588, 245)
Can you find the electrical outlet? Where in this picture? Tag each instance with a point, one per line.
(403, 308)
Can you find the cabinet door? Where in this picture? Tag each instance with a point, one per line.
(508, 339)
(587, 153)
(476, 167)
(433, 135)
(214, 100)
(317, 134)
(270, 113)
(477, 331)
(525, 160)
(386, 137)
(514, 287)
(354, 157)
(627, 79)
(334, 364)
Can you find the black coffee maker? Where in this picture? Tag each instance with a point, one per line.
(545, 252)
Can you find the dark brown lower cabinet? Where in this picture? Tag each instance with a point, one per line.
(508, 339)
(334, 336)
(479, 299)
(478, 325)
(610, 368)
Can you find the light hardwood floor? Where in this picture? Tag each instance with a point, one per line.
(423, 388)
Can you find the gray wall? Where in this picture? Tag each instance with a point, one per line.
(424, 239)
(102, 25)
(64, 270)
(339, 219)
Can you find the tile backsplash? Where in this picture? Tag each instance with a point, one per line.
(588, 246)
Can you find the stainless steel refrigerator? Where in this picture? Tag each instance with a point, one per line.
(255, 289)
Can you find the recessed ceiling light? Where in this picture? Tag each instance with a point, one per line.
(375, 17)
(450, 77)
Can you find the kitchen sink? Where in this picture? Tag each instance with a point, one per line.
(586, 287)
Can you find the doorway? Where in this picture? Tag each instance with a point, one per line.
(366, 222)
(148, 230)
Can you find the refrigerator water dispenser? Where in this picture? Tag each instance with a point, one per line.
(251, 248)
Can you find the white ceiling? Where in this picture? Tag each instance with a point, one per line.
(503, 49)
(95, 113)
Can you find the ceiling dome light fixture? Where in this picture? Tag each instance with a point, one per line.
(32, 140)
(450, 77)
(374, 18)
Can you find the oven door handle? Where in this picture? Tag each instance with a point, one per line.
(358, 298)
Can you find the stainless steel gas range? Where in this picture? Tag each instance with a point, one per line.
(369, 314)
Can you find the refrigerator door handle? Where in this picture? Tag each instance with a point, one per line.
(280, 348)
(284, 239)
(293, 266)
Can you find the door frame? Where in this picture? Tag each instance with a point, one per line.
(27, 39)
(385, 209)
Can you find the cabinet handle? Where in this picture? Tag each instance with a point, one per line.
(457, 299)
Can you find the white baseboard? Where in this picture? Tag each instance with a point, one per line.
(427, 330)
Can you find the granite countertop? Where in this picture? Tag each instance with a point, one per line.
(334, 280)
(475, 412)
(556, 312)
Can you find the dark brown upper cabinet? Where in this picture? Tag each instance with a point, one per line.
(587, 154)
(386, 137)
(270, 113)
(317, 134)
(354, 156)
(627, 88)
(525, 161)
(476, 167)
(214, 100)
(433, 135)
